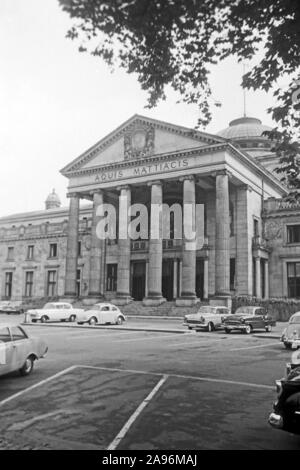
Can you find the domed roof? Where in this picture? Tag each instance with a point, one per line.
(52, 200)
(245, 128)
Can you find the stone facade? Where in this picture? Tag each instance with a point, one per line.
(151, 162)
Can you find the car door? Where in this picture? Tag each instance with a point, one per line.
(105, 314)
(260, 318)
(223, 314)
(65, 312)
(21, 346)
(6, 351)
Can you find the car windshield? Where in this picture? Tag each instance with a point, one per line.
(245, 311)
(48, 306)
(295, 320)
(207, 310)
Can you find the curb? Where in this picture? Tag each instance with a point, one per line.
(103, 327)
(262, 335)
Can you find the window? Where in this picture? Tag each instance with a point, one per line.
(293, 279)
(8, 284)
(10, 253)
(231, 218)
(79, 253)
(30, 251)
(53, 250)
(51, 283)
(5, 335)
(293, 233)
(232, 273)
(111, 278)
(78, 282)
(17, 333)
(255, 228)
(28, 283)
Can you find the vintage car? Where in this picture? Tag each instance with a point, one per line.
(54, 311)
(18, 350)
(291, 335)
(101, 314)
(248, 319)
(208, 318)
(9, 307)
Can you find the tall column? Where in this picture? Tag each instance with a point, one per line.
(175, 281)
(124, 251)
(222, 247)
(154, 296)
(266, 279)
(96, 252)
(72, 247)
(188, 293)
(244, 235)
(257, 278)
(205, 280)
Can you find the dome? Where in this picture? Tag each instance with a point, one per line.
(247, 130)
(52, 201)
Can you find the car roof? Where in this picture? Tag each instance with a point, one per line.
(296, 314)
(58, 303)
(104, 304)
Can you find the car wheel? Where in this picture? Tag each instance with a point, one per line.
(210, 327)
(190, 328)
(287, 345)
(72, 318)
(227, 330)
(120, 320)
(27, 367)
(93, 321)
(248, 329)
(268, 328)
(44, 319)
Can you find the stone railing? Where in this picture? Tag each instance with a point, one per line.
(272, 204)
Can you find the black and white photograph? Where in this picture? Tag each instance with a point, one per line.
(149, 228)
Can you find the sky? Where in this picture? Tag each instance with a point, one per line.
(55, 102)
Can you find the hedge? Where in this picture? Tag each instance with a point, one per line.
(280, 309)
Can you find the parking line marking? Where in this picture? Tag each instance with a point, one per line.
(114, 444)
(254, 347)
(38, 384)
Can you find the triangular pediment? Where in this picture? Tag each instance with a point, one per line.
(138, 138)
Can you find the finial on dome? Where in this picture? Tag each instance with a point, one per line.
(52, 201)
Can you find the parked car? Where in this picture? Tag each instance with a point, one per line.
(9, 307)
(248, 319)
(18, 350)
(208, 317)
(55, 311)
(102, 313)
(286, 409)
(291, 335)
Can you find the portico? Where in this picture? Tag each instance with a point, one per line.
(152, 163)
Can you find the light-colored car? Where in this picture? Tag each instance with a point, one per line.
(208, 317)
(8, 307)
(101, 314)
(291, 334)
(55, 311)
(18, 350)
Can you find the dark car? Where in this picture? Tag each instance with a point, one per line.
(247, 319)
(11, 307)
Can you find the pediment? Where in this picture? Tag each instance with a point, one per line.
(139, 138)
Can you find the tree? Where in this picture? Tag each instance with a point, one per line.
(175, 42)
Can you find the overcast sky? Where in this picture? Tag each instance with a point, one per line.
(56, 102)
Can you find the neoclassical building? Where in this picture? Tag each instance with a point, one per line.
(251, 239)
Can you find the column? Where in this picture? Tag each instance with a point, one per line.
(188, 292)
(266, 279)
(205, 280)
(72, 247)
(243, 235)
(96, 252)
(124, 251)
(154, 296)
(222, 261)
(257, 278)
(175, 270)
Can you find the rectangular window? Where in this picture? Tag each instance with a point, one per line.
(8, 284)
(78, 282)
(232, 273)
(111, 277)
(293, 279)
(30, 251)
(10, 253)
(293, 233)
(53, 250)
(255, 228)
(51, 283)
(28, 283)
(79, 248)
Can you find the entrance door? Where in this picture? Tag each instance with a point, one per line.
(167, 278)
(138, 281)
(199, 278)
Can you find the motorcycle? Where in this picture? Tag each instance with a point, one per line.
(286, 410)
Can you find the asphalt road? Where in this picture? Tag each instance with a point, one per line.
(122, 389)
